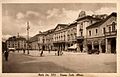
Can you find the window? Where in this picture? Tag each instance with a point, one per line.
(113, 26)
(96, 31)
(81, 23)
(103, 30)
(91, 21)
(109, 29)
(81, 33)
(89, 33)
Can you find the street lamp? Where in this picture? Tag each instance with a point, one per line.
(28, 37)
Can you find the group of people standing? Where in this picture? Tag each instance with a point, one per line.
(6, 53)
(57, 52)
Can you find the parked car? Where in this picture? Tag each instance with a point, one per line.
(94, 51)
(11, 49)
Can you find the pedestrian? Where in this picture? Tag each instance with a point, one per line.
(58, 52)
(24, 51)
(6, 54)
(41, 53)
(61, 53)
(84, 49)
(49, 50)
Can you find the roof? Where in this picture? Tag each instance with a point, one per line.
(72, 24)
(87, 17)
(102, 21)
(35, 38)
(20, 38)
(61, 25)
(14, 38)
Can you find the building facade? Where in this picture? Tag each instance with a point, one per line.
(89, 32)
(102, 35)
(18, 43)
(83, 22)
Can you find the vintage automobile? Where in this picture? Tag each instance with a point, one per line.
(94, 51)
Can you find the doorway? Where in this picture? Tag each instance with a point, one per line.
(113, 45)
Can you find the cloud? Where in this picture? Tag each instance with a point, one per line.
(4, 37)
(43, 21)
(20, 15)
(53, 13)
(106, 10)
(12, 26)
(103, 10)
(28, 13)
(62, 15)
(71, 15)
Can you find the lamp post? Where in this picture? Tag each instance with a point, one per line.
(28, 37)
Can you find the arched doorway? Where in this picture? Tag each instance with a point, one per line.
(89, 45)
(96, 44)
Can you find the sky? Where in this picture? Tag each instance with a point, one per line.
(45, 16)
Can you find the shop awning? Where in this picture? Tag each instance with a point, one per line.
(73, 47)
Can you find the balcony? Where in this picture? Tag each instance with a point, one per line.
(79, 37)
(59, 41)
(112, 33)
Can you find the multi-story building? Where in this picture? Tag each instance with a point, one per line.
(16, 42)
(33, 42)
(48, 39)
(71, 35)
(60, 37)
(83, 21)
(42, 40)
(102, 35)
(89, 32)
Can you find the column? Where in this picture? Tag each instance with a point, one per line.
(78, 48)
(92, 45)
(66, 46)
(106, 43)
(85, 44)
(78, 29)
(100, 49)
(78, 34)
(108, 46)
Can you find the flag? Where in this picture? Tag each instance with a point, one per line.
(28, 27)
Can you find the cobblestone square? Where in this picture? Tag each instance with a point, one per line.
(69, 62)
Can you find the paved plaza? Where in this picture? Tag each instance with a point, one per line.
(69, 62)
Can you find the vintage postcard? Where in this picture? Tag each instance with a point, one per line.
(59, 38)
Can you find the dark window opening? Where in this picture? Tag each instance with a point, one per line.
(113, 26)
(104, 30)
(81, 33)
(96, 31)
(109, 29)
(89, 33)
